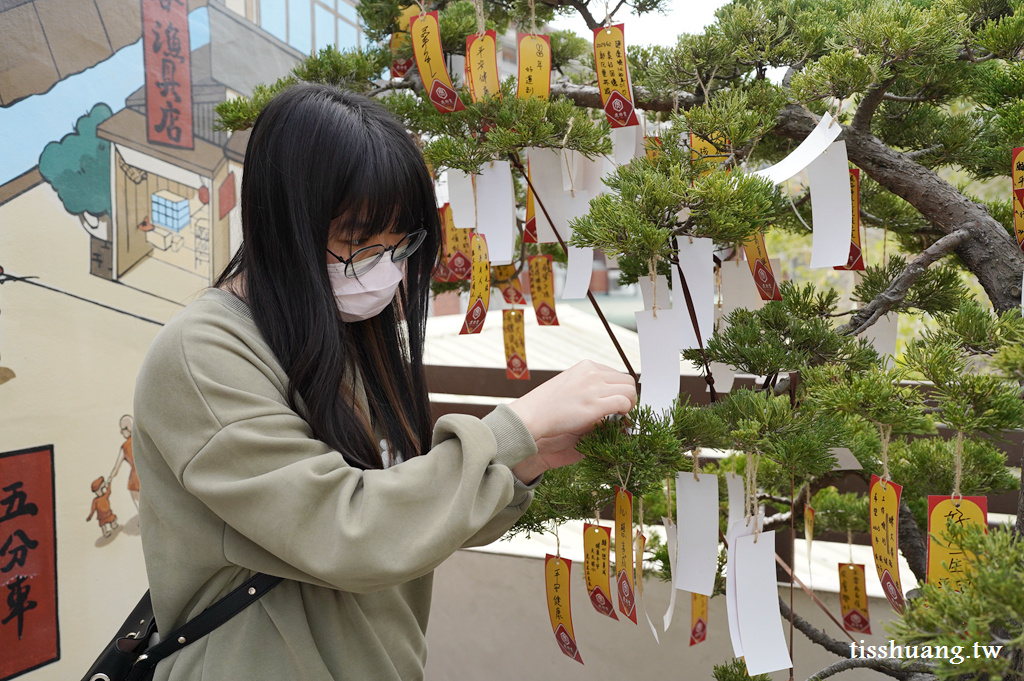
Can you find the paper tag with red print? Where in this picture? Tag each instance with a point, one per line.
(482, 66)
(530, 228)
(856, 261)
(698, 618)
(597, 541)
(884, 513)
(457, 247)
(761, 268)
(515, 345)
(556, 584)
(948, 565)
(542, 290)
(534, 66)
(400, 67)
(505, 279)
(853, 598)
(1017, 174)
(480, 288)
(624, 584)
(426, 47)
(612, 69)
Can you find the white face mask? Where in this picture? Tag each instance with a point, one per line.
(367, 296)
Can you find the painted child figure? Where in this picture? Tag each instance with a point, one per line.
(101, 507)
(125, 454)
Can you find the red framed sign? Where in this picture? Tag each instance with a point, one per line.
(168, 62)
(29, 634)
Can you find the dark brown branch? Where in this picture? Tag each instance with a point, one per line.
(913, 543)
(900, 286)
(867, 107)
(818, 636)
(921, 153)
(882, 665)
(581, 7)
(394, 85)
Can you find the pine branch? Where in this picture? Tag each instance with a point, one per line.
(900, 286)
(921, 153)
(889, 97)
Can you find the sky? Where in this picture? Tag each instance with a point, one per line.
(683, 16)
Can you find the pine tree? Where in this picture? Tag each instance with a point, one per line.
(918, 86)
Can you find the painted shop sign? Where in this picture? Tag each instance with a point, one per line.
(29, 636)
(168, 73)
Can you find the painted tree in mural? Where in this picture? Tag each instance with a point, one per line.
(78, 168)
(914, 88)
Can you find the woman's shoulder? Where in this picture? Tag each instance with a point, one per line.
(214, 335)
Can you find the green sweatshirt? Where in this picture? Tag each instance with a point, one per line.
(233, 482)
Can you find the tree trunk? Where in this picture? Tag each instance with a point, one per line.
(989, 252)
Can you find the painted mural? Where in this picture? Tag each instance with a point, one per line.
(118, 205)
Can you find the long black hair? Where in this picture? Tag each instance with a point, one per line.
(314, 154)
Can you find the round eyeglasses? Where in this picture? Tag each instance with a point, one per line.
(363, 260)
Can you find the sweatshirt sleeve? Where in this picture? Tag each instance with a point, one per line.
(288, 494)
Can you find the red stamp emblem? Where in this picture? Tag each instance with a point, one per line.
(627, 603)
(854, 261)
(516, 367)
(765, 280)
(619, 111)
(546, 315)
(460, 265)
(445, 97)
(400, 67)
(699, 632)
(475, 318)
(892, 592)
(566, 643)
(602, 604)
(854, 621)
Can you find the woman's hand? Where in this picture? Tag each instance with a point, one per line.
(552, 452)
(567, 407)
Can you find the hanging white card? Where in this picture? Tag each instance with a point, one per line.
(698, 264)
(570, 169)
(624, 144)
(670, 540)
(734, 485)
(639, 588)
(738, 288)
(824, 134)
(882, 335)
(757, 597)
(647, 291)
(659, 358)
(461, 199)
(591, 170)
(697, 533)
(740, 528)
(580, 265)
(831, 207)
(723, 373)
(546, 176)
(496, 201)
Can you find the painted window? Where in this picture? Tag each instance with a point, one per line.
(312, 24)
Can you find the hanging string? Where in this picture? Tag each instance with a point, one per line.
(959, 453)
(481, 27)
(696, 463)
(886, 432)
(653, 274)
(476, 217)
(533, 19)
(558, 542)
(423, 9)
(849, 543)
(668, 496)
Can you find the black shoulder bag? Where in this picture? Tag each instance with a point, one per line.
(129, 657)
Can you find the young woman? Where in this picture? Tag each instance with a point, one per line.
(282, 423)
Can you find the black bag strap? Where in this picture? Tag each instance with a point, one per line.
(202, 624)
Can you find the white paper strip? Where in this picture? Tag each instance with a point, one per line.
(882, 335)
(670, 540)
(643, 602)
(580, 266)
(723, 373)
(697, 540)
(738, 529)
(590, 172)
(624, 144)
(697, 262)
(546, 176)
(647, 291)
(659, 358)
(734, 484)
(738, 289)
(757, 596)
(496, 203)
(831, 207)
(569, 167)
(823, 135)
(461, 199)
